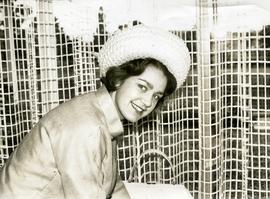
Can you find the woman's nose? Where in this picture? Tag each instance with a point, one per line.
(147, 100)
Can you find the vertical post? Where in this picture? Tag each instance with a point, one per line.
(204, 21)
(10, 53)
(2, 116)
(78, 78)
(245, 103)
(47, 56)
(31, 62)
(8, 78)
(138, 152)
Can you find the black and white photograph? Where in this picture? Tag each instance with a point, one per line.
(134, 99)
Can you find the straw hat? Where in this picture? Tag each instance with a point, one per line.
(146, 42)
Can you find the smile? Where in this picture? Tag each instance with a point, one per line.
(137, 108)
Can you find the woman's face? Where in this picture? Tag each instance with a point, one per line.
(138, 95)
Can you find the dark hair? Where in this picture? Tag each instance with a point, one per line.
(117, 74)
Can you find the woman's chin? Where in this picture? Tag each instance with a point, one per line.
(130, 115)
(132, 118)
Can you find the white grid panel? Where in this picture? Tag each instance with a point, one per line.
(215, 129)
(232, 121)
(41, 67)
(45, 55)
(209, 102)
(15, 119)
(172, 130)
(181, 127)
(257, 86)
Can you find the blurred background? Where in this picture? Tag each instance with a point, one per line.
(215, 129)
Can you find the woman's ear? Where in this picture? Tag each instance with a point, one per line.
(117, 84)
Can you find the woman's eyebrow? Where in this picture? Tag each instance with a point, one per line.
(151, 86)
(148, 83)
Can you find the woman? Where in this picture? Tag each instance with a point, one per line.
(70, 153)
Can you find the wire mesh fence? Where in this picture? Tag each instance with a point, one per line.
(214, 129)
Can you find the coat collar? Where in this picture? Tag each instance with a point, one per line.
(109, 110)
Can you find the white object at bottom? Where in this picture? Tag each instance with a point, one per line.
(157, 191)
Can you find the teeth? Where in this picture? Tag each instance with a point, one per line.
(137, 108)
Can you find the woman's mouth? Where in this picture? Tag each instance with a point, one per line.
(137, 107)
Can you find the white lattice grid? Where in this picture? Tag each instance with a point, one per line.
(244, 114)
(14, 83)
(173, 130)
(258, 87)
(232, 124)
(230, 160)
(209, 102)
(60, 68)
(41, 67)
(234, 112)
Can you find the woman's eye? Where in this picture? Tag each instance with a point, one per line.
(142, 87)
(157, 97)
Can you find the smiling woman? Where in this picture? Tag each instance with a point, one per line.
(140, 66)
(144, 92)
(147, 80)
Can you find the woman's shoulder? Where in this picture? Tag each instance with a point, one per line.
(82, 110)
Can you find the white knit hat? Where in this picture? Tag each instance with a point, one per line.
(146, 42)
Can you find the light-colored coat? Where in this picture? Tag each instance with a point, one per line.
(68, 154)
